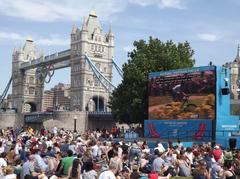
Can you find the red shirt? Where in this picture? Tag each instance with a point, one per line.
(217, 154)
(153, 175)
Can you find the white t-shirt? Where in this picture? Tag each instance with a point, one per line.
(2, 149)
(160, 148)
(95, 151)
(190, 157)
(11, 176)
(49, 143)
(3, 162)
(107, 175)
(54, 130)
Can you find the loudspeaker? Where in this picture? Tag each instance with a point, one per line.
(232, 143)
(225, 91)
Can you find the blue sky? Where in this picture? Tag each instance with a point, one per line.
(211, 26)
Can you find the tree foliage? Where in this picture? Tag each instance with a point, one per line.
(129, 100)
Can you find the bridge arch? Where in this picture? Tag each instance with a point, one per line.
(29, 107)
(96, 104)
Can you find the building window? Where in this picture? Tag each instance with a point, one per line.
(31, 80)
(31, 90)
(99, 48)
(95, 38)
(98, 65)
(95, 47)
(92, 47)
(99, 39)
(96, 82)
(102, 49)
(105, 69)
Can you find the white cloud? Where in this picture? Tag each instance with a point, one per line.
(64, 10)
(73, 10)
(177, 4)
(53, 41)
(10, 36)
(207, 37)
(38, 40)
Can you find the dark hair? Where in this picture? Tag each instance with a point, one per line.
(69, 153)
(49, 148)
(75, 166)
(88, 166)
(115, 153)
(28, 176)
(227, 164)
(3, 155)
(134, 175)
(156, 152)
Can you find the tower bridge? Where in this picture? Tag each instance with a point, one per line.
(90, 59)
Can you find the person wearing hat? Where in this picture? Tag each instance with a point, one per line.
(228, 156)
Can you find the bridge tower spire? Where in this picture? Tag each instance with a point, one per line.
(86, 91)
(26, 90)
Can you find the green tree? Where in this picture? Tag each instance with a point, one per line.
(129, 100)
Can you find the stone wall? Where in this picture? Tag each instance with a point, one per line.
(10, 120)
(65, 119)
(61, 119)
(101, 124)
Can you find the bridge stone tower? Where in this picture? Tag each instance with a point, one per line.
(26, 90)
(87, 94)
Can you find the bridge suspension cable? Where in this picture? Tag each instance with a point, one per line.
(119, 70)
(102, 79)
(4, 94)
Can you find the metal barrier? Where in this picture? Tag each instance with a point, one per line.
(191, 135)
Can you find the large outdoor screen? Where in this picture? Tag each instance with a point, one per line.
(182, 94)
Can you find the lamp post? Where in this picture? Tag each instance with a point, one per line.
(75, 124)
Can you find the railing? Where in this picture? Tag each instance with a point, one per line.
(101, 114)
(189, 135)
(37, 117)
(48, 58)
(58, 55)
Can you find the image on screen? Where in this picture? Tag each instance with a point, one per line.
(182, 95)
(235, 93)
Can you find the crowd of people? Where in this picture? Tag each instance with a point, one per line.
(58, 153)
